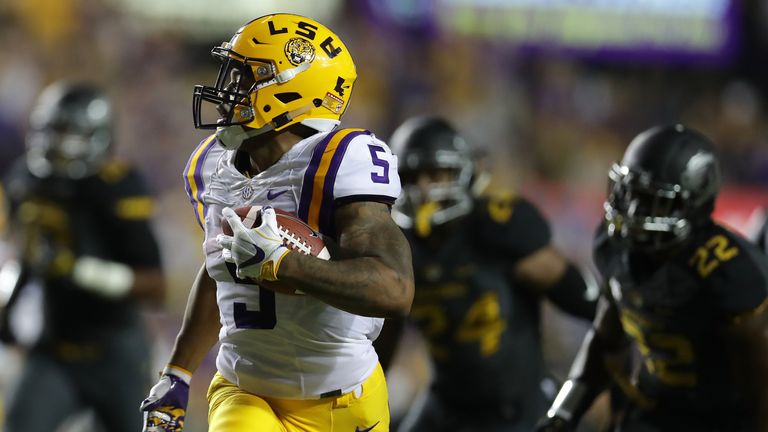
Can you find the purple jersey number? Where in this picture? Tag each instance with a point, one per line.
(376, 177)
(265, 318)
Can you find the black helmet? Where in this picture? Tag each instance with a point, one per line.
(665, 185)
(70, 131)
(430, 143)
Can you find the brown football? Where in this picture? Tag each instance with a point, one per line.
(296, 235)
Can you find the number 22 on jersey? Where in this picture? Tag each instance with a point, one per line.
(708, 257)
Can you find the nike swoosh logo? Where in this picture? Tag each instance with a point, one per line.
(357, 429)
(272, 195)
(255, 259)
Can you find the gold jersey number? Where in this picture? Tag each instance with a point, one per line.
(481, 324)
(665, 355)
(708, 257)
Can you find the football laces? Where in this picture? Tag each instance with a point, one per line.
(295, 241)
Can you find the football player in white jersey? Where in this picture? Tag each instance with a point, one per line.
(288, 362)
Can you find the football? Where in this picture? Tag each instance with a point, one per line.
(296, 235)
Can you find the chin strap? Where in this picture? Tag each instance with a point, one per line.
(290, 74)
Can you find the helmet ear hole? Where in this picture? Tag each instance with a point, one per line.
(287, 97)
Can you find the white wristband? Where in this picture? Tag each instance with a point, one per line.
(107, 278)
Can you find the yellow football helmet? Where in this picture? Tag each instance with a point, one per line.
(276, 71)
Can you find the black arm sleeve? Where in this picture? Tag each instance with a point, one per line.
(572, 295)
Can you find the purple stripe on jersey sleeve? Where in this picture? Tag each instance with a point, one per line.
(309, 176)
(199, 160)
(326, 208)
(192, 159)
(199, 177)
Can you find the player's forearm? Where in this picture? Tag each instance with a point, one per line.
(363, 286)
(586, 380)
(605, 340)
(589, 374)
(571, 294)
(200, 329)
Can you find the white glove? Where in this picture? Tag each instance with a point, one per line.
(258, 251)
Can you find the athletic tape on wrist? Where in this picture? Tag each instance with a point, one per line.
(178, 372)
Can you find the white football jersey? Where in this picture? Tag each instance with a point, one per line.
(279, 345)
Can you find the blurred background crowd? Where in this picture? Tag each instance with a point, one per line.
(547, 92)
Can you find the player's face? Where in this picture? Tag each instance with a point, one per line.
(431, 190)
(430, 179)
(644, 217)
(239, 84)
(432, 196)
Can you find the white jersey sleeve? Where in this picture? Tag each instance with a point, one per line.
(347, 165)
(197, 176)
(368, 172)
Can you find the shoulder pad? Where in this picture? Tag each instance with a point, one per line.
(733, 268)
(500, 205)
(511, 226)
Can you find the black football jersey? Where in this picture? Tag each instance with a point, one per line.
(676, 310)
(482, 330)
(53, 221)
